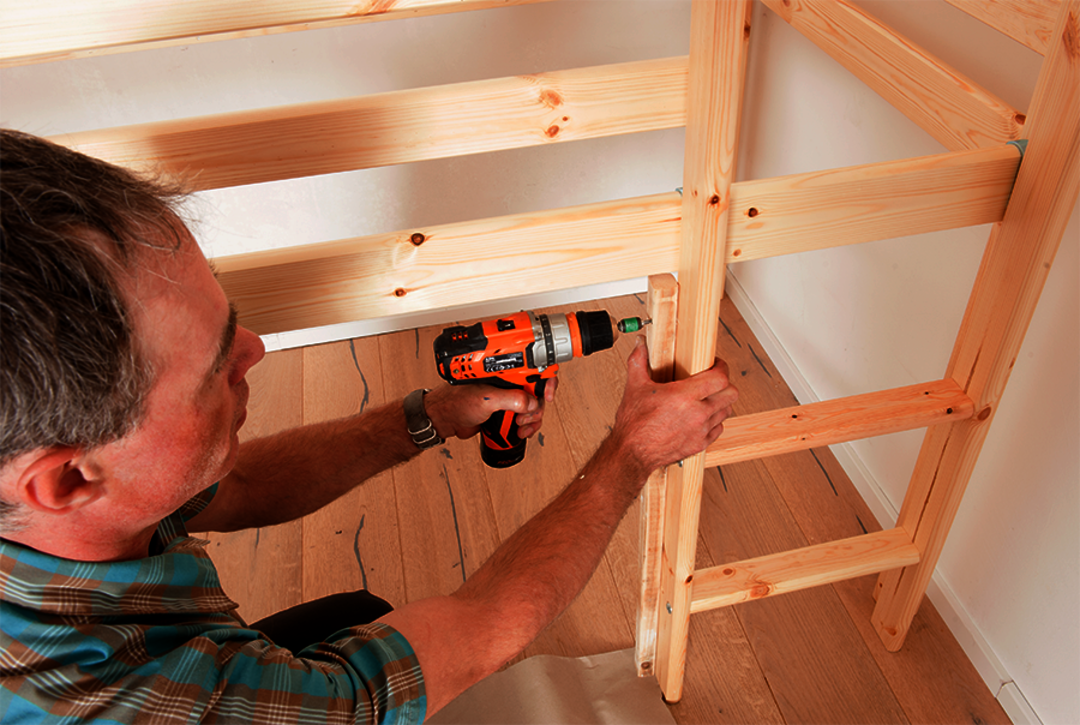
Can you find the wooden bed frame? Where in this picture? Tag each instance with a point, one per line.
(1005, 166)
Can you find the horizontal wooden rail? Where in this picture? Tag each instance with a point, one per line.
(420, 269)
(1026, 21)
(798, 428)
(41, 30)
(865, 203)
(457, 264)
(811, 566)
(949, 106)
(398, 127)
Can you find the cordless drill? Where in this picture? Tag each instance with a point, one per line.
(520, 351)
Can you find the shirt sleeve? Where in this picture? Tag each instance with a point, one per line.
(366, 674)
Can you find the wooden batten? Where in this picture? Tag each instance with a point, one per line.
(865, 203)
(457, 264)
(383, 129)
(662, 304)
(950, 107)
(45, 30)
(757, 435)
(810, 566)
(1026, 21)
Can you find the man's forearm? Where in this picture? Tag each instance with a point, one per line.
(291, 474)
(532, 577)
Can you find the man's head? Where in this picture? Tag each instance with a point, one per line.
(94, 265)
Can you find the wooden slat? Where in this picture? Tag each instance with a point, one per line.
(950, 107)
(865, 203)
(44, 30)
(719, 40)
(810, 566)
(456, 264)
(1015, 265)
(382, 129)
(384, 275)
(662, 306)
(747, 437)
(1026, 21)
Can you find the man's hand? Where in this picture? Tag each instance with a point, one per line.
(660, 423)
(459, 410)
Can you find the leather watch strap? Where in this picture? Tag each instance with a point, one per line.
(420, 427)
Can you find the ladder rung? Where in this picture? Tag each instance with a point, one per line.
(833, 561)
(758, 435)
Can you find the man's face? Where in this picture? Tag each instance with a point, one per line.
(197, 403)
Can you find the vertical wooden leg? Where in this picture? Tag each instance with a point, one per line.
(661, 306)
(719, 39)
(1014, 269)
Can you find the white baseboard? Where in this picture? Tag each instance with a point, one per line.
(956, 617)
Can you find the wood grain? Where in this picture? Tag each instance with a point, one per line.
(1027, 21)
(949, 106)
(249, 147)
(44, 30)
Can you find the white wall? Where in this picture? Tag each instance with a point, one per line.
(850, 320)
(880, 315)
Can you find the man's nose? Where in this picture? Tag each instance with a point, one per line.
(250, 350)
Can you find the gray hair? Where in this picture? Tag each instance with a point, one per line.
(71, 372)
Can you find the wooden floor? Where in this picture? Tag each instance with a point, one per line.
(806, 657)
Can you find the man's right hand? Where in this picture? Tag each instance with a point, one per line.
(661, 423)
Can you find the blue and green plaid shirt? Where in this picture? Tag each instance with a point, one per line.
(156, 640)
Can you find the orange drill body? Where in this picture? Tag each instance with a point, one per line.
(522, 351)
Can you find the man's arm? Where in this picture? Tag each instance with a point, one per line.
(290, 474)
(535, 574)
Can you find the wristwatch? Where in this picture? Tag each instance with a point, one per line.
(419, 424)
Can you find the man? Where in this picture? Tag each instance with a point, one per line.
(124, 387)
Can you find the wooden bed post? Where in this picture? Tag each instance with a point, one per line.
(719, 39)
(1014, 268)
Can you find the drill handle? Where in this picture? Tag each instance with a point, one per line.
(500, 444)
(501, 447)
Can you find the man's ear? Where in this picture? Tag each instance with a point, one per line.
(56, 481)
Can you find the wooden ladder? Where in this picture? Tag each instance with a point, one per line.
(956, 410)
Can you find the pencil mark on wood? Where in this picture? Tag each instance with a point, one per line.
(540, 439)
(723, 480)
(457, 529)
(363, 378)
(827, 476)
(356, 552)
(446, 453)
(759, 360)
(861, 524)
(416, 333)
(730, 333)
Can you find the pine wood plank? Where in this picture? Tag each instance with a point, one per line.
(802, 568)
(857, 204)
(662, 310)
(1026, 21)
(1014, 268)
(245, 560)
(719, 40)
(445, 515)
(757, 435)
(352, 543)
(288, 142)
(42, 30)
(457, 264)
(949, 106)
(817, 666)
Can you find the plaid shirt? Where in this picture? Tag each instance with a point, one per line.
(155, 640)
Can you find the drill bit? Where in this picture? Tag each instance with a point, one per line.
(632, 324)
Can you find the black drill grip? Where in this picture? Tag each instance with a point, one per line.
(501, 447)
